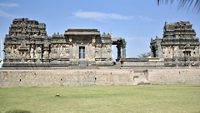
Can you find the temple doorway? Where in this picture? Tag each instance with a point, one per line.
(81, 52)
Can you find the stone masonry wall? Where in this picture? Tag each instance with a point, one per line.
(174, 76)
(75, 77)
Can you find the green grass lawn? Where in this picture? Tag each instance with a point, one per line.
(102, 99)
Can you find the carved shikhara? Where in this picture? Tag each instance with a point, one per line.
(179, 44)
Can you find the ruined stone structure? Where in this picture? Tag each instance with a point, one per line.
(179, 45)
(28, 44)
(25, 41)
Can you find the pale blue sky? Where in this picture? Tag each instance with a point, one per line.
(135, 20)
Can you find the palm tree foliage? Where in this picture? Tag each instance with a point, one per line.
(189, 4)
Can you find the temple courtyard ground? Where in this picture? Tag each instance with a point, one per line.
(101, 99)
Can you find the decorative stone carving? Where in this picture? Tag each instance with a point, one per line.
(28, 40)
(16, 52)
(179, 42)
(38, 53)
(46, 55)
(32, 53)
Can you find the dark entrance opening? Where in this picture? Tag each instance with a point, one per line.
(154, 51)
(82, 52)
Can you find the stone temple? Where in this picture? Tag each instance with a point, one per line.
(28, 44)
(84, 57)
(179, 44)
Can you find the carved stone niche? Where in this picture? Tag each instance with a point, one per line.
(46, 55)
(54, 52)
(46, 43)
(32, 52)
(22, 50)
(38, 53)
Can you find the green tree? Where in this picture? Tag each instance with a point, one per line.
(144, 55)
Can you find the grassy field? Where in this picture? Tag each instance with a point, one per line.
(102, 99)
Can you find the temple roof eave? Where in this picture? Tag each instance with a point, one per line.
(82, 33)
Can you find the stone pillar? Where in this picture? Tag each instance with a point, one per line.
(45, 51)
(118, 52)
(123, 52)
(189, 62)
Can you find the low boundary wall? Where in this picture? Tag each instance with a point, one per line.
(76, 77)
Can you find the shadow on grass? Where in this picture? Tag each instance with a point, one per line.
(17, 111)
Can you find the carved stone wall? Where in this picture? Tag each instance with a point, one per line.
(24, 43)
(179, 43)
(28, 43)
